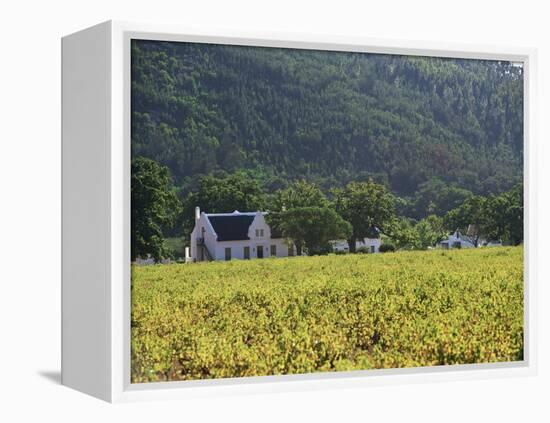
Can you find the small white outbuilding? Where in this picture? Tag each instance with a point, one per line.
(456, 240)
(371, 243)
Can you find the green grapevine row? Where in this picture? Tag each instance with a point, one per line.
(326, 313)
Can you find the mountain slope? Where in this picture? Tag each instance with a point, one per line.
(329, 117)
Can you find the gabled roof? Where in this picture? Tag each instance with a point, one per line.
(467, 239)
(234, 226)
(231, 227)
(462, 237)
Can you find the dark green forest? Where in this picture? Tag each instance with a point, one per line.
(433, 131)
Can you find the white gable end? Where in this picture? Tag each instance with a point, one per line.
(259, 229)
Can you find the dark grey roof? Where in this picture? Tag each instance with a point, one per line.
(464, 237)
(231, 227)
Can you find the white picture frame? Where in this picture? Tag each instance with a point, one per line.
(96, 213)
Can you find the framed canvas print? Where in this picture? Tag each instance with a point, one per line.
(263, 212)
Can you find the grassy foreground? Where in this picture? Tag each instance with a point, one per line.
(328, 313)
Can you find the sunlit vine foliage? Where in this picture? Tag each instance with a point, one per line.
(326, 313)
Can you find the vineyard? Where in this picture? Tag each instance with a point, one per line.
(326, 313)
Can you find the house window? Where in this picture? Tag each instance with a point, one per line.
(246, 252)
(228, 253)
(261, 232)
(290, 251)
(273, 251)
(372, 249)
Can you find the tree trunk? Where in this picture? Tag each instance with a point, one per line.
(351, 244)
(476, 240)
(298, 249)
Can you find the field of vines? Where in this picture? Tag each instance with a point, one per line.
(326, 313)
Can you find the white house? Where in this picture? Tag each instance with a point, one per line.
(456, 240)
(371, 243)
(493, 243)
(237, 235)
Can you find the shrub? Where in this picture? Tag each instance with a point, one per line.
(384, 248)
(362, 250)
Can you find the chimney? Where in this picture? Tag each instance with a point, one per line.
(197, 213)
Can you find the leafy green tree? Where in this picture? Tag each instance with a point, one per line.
(299, 194)
(493, 217)
(404, 234)
(223, 194)
(494, 212)
(436, 197)
(430, 231)
(364, 205)
(471, 214)
(154, 205)
(407, 234)
(514, 214)
(504, 216)
(313, 228)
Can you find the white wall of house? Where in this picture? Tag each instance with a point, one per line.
(259, 229)
(373, 244)
(203, 229)
(238, 248)
(455, 241)
(259, 233)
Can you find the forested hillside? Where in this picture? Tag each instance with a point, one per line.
(329, 117)
(430, 129)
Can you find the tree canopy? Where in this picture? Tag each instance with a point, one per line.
(494, 217)
(154, 205)
(223, 194)
(365, 205)
(313, 227)
(328, 117)
(299, 194)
